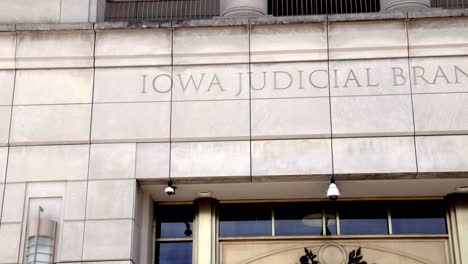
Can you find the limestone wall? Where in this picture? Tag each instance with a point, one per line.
(88, 110)
(51, 11)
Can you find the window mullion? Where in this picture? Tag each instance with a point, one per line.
(154, 237)
(273, 232)
(389, 219)
(338, 228)
(324, 223)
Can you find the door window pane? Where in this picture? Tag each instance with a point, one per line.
(244, 220)
(298, 219)
(174, 253)
(364, 218)
(174, 221)
(418, 217)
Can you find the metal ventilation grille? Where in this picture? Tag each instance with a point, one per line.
(159, 10)
(321, 7)
(166, 10)
(450, 4)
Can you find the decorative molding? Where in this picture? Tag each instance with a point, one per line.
(343, 252)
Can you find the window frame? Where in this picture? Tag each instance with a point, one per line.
(157, 240)
(386, 201)
(219, 241)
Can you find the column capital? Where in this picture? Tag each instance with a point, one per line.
(231, 8)
(404, 5)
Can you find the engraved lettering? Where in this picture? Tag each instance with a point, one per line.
(275, 80)
(215, 82)
(143, 90)
(314, 84)
(155, 86)
(252, 81)
(191, 80)
(369, 84)
(335, 78)
(398, 78)
(352, 77)
(300, 80)
(440, 74)
(418, 72)
(458, 70)
(240, 84)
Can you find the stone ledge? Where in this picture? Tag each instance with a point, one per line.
(131, 25)
(197, 180)
(241, 21)
(215, 22)
(270, 20)
(54, 27)
(374, 176)
(367, 16)
(308, 178)
(7, 27)
(442, 175)
(436, 13)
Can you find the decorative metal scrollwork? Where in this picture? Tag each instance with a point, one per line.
(309, 257)
(355, 257)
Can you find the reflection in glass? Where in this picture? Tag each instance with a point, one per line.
(418, 217)
(40, 251)
(244, 220)
(330, 220)
(174, 253)
(298, 219)
(364, 218)
(174, 221)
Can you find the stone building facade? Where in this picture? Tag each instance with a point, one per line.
(97, 117)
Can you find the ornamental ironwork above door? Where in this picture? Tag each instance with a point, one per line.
(359, 251)
(354, 257)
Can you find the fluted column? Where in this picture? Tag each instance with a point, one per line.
(404, 5)
(231, 8)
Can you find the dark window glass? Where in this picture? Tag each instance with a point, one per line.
(418, 217)
(174, 221)
(364, 218)
(174, 253)
(244, 220)
(296, 219)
